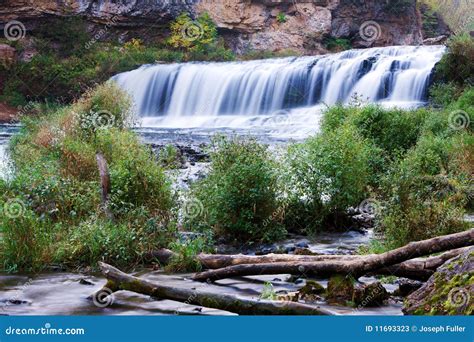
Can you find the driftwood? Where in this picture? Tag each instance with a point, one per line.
(118, 280)
(355, 268)
(418, 269)
(105, 184)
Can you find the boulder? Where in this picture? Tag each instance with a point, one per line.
(449, 291)
(340, 290)
(312, 291)
(373, 294)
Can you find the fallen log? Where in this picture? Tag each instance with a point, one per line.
(215, 261)
(355, 268)
(118, 280)
(417, 269)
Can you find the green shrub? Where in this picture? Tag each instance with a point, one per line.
(337, 44)
(393, 130)
(281, 18)
(457, 65)
(427, 190)
(442, 94)
(240, 192)
(56, 178)
(331, 172)
(186, 252)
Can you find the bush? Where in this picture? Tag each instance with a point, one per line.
(457, 65)
(427, 190)
(337, 44)
(330, 173)
(57, 182)
(240, 192)
(442, 94)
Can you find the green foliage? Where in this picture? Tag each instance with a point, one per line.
(281, 18)
(332, 172)
(337, 44)
(189, 34)
(240, 192)
(442, 94)
(170, 157)
(57, 183)
(185, 259)
(428, 189)
(268, 292)
(393, 130)
(69, 62)
(266, 54)
(67, 36)
(457, 65)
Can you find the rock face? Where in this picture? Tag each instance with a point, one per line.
(450, 291)
(302, 26)
(7, 54)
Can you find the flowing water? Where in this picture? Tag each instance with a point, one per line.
(275, 100)
(278, 98)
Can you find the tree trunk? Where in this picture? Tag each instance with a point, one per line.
(105, 184)
(356, 267)
(117, 280)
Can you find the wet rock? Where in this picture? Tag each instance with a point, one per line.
(302, 244)
(340, 289)
(449, 291)
(83, 281)
(267, 249)
(373, 294)
(312, 291)
(407, 286)
(287, 296)
(304, 251)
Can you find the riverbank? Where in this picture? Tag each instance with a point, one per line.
(8, 114)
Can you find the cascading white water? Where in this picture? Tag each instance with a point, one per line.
(248, 94)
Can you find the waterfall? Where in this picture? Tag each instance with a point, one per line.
(190, 91)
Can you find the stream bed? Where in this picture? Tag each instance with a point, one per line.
(65, 293)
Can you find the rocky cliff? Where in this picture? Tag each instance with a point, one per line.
(300, 25)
